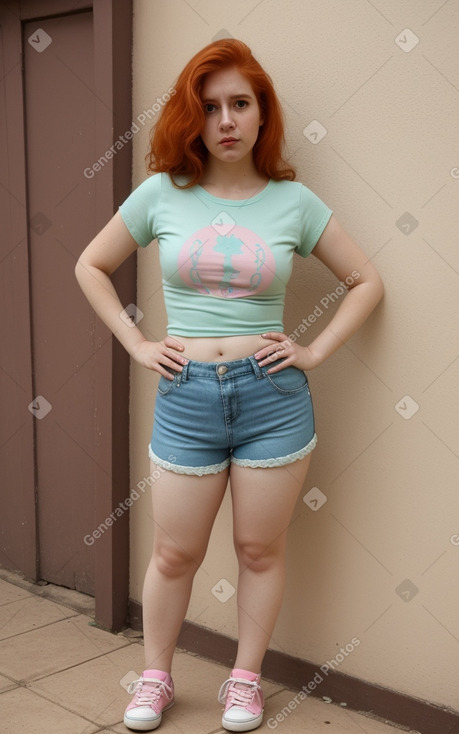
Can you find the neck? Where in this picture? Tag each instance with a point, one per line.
(240, 176)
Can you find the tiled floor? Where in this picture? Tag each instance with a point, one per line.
(61, 675)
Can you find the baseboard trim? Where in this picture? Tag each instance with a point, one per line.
(294, 673)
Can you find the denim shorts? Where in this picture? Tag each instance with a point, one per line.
(215, 413)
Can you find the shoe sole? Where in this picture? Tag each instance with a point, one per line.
(242, 725)
(145, 725)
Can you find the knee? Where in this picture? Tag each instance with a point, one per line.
(173, 561)
(257, 556)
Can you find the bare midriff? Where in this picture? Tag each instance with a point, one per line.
(222, 348)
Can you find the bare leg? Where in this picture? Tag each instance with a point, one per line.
(184, 510)
(263, 503)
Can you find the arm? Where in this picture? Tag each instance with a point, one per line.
(99, 260)
(338, 251)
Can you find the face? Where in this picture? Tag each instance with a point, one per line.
(232, 116)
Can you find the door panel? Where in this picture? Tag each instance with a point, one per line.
(65, 86)
(18, 542)
(60, 123)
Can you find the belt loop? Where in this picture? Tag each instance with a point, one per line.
(184, 372)
(256, 368)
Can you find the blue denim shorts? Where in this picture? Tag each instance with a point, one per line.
(214, 413)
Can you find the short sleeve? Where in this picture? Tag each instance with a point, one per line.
(314, 216)
(139, 210)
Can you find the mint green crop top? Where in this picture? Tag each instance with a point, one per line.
(225, 264)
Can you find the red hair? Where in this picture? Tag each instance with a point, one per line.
(176, 144)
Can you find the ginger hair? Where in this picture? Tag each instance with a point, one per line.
(176, 146)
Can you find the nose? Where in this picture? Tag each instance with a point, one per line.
(226, 119)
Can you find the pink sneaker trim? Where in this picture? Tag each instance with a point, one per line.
(245, 675)
(241, 692)
(158, 675)
(153, 693)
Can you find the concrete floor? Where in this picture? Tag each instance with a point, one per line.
(61, 675)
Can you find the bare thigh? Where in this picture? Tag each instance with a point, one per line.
(263, 503)
(184, 510)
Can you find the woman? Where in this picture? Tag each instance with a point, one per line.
(233, 400)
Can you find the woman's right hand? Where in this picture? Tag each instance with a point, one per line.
(158, 355)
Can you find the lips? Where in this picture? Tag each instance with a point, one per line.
(228, 141)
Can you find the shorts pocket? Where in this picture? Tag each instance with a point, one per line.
(165, 385)
(289, 380)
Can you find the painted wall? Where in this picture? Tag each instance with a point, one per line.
(371, 97)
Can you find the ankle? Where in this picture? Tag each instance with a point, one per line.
(158, 667)
(251, 666)
(246, 674)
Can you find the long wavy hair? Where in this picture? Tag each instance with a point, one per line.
(176, 146)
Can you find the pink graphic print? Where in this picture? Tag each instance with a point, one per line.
(231, 264)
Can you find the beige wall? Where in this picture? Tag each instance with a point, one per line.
(390, 480)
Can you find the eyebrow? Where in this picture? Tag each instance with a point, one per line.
(233, 96)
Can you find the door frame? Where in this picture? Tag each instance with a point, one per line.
(112, 24)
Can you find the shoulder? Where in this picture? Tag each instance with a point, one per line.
(167, 184)
(160, 183)
(295, 193)
(152, 184)
(284, 185)
(145, 194)
(284, 193)
(292, 189)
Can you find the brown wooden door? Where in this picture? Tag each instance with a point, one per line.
(17, 476)
(65, 79)
(60, 122)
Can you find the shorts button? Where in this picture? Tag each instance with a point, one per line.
(222, 369)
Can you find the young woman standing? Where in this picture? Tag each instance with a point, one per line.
(233, 399)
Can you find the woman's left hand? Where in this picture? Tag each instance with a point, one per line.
(287, 351)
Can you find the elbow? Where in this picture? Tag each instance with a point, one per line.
(375, 289)
(371, 289)
(78, 269)
(82, 270)
(373, 284)
(379, 289)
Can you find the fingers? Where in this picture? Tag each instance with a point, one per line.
(174, 357)
(285, 350)
(274, 335)
(171, 359)
(159, 356)
(170, 341)
(286, 361)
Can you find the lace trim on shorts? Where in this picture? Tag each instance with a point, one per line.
(197, 471)
(200, 471)
(281, 460)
